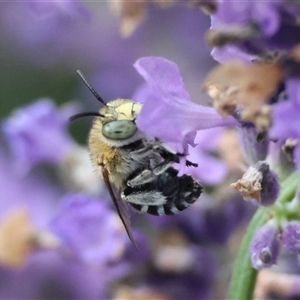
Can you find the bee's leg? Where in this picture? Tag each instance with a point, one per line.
(170, 156)
(191, 164)
(188, 163)
(142, 153)
(148, 197)
(149, 175)
(176, 158)
(142, 178)
(162, 167)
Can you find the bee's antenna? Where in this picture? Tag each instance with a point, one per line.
(85, 114)
(91, 88)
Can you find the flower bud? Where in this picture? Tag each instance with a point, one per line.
(264, 247)
(259, 183)
(270, 185)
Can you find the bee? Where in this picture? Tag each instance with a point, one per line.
(136, 169)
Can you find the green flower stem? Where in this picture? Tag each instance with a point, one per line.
(244, 275)
(288, 188)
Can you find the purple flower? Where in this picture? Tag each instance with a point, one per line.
(252, 149)
(90, 230)
(210, 170)
(264, 249)
(49, 275)
(33, 192)
(231, 52)
(265, 14)
(270, 186)
(168, 112)
(255, 27)
(38, 133)
(291, 236)
(286, 120)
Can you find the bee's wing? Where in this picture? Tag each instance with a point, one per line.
(120, 206)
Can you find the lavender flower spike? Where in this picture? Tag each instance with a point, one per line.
(38, 133)
(168, 112)
(264, 249)
(90, 230)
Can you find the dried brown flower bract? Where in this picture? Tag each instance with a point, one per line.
(130, 293)
(19, 238)
(15, 238)
(260, 117)
(249, 185)
(224, 98)
(249, 87)
(208, 7)
(259, 183)
(131, 13)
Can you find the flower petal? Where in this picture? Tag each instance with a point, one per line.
(167, 112)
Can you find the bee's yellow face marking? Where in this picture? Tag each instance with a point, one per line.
(128, 111)
(124, 110)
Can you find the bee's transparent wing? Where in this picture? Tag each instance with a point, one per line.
(120, 207)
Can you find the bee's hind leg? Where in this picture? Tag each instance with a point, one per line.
(174, 157)
(149, 175)
(142, 153)
(145, 202)
(142, 178)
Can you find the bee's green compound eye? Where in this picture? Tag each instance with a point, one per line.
(119, 130)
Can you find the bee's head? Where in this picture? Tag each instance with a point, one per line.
(116, 118)
(118, 122)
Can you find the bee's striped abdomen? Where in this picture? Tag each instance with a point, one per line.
(166, 195)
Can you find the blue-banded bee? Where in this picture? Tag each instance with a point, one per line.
(136, 169)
